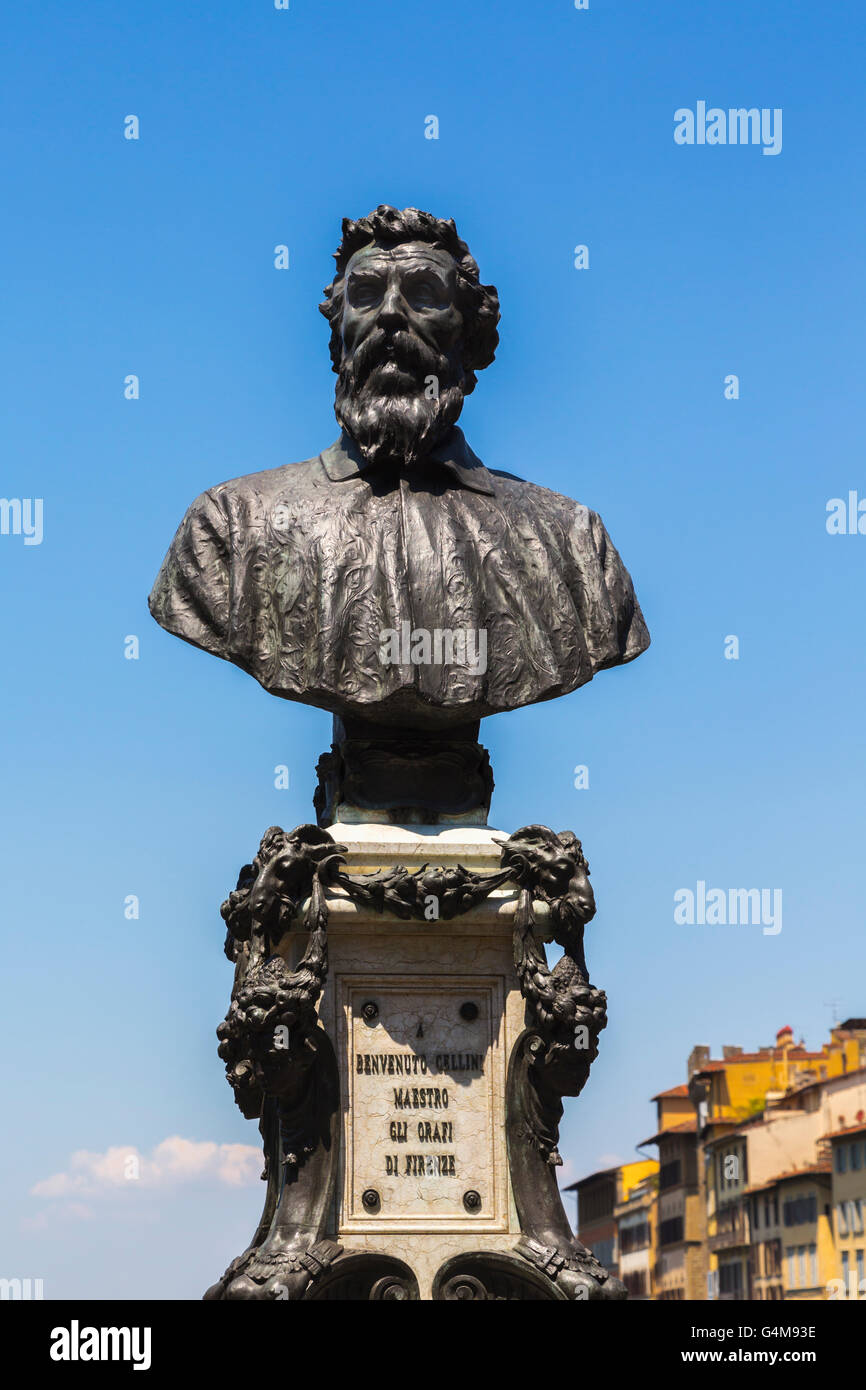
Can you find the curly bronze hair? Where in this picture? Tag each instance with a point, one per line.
(479, 304)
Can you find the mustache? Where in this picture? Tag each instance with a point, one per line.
(409, 352)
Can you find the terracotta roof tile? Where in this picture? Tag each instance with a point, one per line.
(841, 1133)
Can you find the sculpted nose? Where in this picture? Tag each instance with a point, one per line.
(393, 311)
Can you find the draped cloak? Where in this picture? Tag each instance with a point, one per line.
(296, 573)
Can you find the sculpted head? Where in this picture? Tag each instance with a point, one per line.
(411, 324)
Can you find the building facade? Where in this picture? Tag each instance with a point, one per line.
(759, 1191)
(636, 1222)
(599, 1198)
(848, 1201)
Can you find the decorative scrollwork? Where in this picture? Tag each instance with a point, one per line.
(266, 1040)
(451, 891)
(270, 891)
(277, 1054)
(553, 1057)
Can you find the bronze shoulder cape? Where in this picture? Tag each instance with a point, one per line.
(298, 578)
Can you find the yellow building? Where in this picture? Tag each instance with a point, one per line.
(679, 1257)
(598, 1197)
(730, 1096)
(767, 1244)
(725, 1171)
(736, 1086)
(743, 1202)
(636, 1219)
(848, 1197)
(808, 1254)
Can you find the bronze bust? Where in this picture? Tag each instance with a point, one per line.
(296, 573)
(328, 580)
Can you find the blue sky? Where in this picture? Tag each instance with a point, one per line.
(155, 777)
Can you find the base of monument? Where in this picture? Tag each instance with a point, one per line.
(410, 1108)
(378, 774)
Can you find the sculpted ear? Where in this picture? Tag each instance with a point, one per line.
(191, 595)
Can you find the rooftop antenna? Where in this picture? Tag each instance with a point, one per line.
(833, 1005)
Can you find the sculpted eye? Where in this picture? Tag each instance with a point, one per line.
(424, 294)
(363, 293)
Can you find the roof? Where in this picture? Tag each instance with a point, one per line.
(608, 1172)
(591, 1177)
(812, 1170)
(843, 1133)
(825, 1080)
(680, 1092)
(686, 1127)
(734, 1126)
(767, 1054)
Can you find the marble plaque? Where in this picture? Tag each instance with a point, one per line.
(424, 1139)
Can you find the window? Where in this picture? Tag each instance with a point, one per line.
(859, 1267)
(841, 1164)
(671, 1231)
(845, 1259)
(842, 1218)
(855, 1156)
(669, 1174)
(792, 1267)
(813, 1266)
(730, 1279)
(596, 1202)
(634, 1237)
(801, 1265)
(729, 1220)
(799, 1210)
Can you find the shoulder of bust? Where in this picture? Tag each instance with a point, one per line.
(510, 485)
(267, 482)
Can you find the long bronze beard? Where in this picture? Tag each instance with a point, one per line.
(402, 428)
(397, 426)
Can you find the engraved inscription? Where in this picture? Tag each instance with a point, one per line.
(421, 1101)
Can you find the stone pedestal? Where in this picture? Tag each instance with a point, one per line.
(397, 1031)
(424, 1016)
